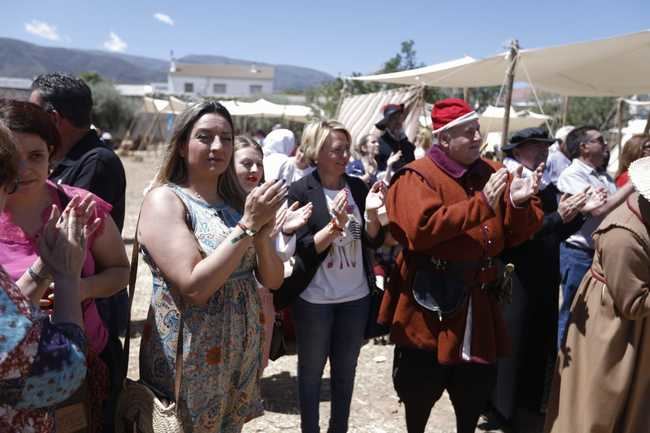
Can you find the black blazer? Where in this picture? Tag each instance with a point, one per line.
(307, 260)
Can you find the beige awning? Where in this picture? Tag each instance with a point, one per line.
(616, 66)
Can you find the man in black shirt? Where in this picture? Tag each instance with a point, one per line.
(84, 161)
(393, 139)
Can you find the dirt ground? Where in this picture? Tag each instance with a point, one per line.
(375, 407)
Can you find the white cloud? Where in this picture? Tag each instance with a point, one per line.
(115, 43)
(163, 18)
(42, 29)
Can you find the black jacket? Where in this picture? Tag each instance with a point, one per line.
(388, 145)
(533, 313)
(307, 260)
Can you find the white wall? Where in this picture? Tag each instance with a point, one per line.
(203, 86)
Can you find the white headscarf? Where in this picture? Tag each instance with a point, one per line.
(279, 141)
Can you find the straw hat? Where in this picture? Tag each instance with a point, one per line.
(639, 172)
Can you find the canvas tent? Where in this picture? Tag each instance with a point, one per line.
(359, 113)
(616, 66)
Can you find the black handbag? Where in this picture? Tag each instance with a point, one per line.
(283, 339)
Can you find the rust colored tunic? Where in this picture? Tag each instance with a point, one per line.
(602, 377)
(447, 217)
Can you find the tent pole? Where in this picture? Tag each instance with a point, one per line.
(646, 130)
(565, 109)
(510, 77)
(619, 122)
(466, 94)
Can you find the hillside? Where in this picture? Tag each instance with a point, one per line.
(25, 60)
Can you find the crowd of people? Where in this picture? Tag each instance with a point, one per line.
(518, 287)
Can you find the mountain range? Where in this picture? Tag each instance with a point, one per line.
(21, 59)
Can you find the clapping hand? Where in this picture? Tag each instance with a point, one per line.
(494, 187)
(296, 217)
(375, 199)
(262, 203)
(339, 208)
(393, 158)
(63, 242)
(570, 205)
(595, 198)
(522, 189)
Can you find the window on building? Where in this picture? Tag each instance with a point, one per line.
(218, 89)
(189, 87)
(255, 89)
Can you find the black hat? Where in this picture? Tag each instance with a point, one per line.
(389, 110)
(539, 135)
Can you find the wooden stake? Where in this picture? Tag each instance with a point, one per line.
(510, 80)
(565, 109)
(619, 122)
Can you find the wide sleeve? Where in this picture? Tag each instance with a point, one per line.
(419, 220)
(285, 246)
(625, 264)
(41, 363)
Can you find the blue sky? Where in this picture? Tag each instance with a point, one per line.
(335, 36)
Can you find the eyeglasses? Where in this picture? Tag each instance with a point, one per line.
(12, 187)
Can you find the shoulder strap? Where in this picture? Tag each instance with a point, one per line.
(133, 275)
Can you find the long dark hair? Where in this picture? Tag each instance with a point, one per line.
(173, 168)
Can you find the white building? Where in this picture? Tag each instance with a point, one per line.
(15, 88)
(220, 80)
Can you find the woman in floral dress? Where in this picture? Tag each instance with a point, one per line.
(205, 245)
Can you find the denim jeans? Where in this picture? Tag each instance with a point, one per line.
(574, 264)
(322, 331)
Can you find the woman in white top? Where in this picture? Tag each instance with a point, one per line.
(332, 274)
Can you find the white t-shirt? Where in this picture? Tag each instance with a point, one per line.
(341, 277)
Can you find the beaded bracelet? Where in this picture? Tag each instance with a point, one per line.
(38, 278)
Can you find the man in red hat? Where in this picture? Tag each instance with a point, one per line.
(393, 139)
(453, 212)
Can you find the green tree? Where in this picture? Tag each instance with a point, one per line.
(91, 78)
(327, 96)
(111, 111)
(592, 111)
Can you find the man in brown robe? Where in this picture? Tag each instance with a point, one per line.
(457, 209)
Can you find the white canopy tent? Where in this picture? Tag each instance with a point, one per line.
(615, 66)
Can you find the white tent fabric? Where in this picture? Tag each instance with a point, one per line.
(491, 119)
(636, 103)
(259, 108)
(359, 113)
(615, 66)
(152, 105)
(633, 127)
